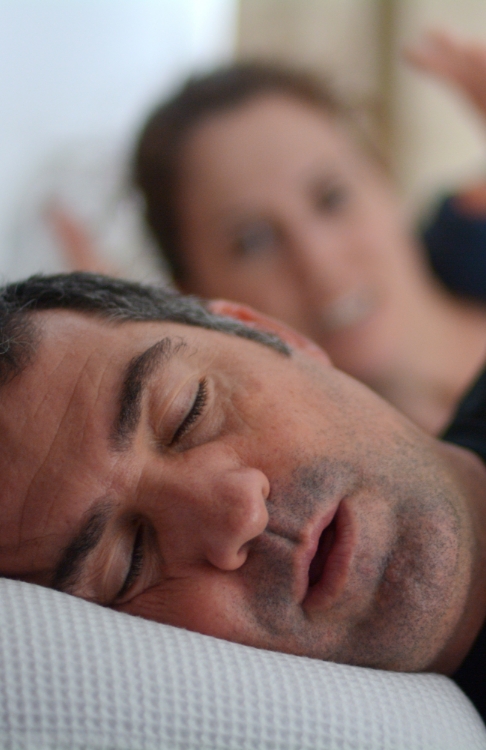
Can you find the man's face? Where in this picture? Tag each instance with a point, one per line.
(209, 482)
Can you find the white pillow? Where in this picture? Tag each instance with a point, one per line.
(74, 675)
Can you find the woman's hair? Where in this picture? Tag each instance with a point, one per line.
(158, 153)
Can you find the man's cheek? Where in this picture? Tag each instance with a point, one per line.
(212, 604)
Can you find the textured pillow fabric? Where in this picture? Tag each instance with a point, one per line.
(74, 675)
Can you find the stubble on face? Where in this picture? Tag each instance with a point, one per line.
(408, 581)
(409, 620)
(291, 505)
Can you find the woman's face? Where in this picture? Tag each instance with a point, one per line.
(279, 208)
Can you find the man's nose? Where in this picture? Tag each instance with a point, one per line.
(236, 515)
(212, 515)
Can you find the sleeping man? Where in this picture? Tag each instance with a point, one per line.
(208, 468)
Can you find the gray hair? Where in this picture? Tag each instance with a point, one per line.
(108, 298)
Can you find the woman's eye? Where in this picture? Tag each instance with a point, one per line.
(331, 199)
(136, 562)
(196, 410)
(256, 238)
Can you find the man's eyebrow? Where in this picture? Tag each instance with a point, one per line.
(137, 374)
(68, 571)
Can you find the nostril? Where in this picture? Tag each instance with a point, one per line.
(227, 556)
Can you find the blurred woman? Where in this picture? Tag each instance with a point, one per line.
(259, 189)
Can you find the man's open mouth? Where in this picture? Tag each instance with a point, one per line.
(330, 558)
(318, 562)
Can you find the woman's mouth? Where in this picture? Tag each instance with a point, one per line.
(348, 310)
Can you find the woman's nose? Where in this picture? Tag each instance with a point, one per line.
(320, 260)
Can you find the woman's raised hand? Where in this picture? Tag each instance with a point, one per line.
(457, 61)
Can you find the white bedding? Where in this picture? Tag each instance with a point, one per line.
(74, 675)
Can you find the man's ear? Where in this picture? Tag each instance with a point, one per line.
(255, 319)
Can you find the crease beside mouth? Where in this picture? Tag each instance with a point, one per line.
(318, 562)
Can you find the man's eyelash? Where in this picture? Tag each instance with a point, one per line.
(195, 412)
(136, 563)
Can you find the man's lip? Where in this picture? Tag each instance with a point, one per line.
(329, 563)
(310, 548)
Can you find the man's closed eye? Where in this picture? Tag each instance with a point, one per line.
(136, 563)
(195, 412)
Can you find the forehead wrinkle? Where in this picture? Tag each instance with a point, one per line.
(95, 379)
(52, 447)
(16, 545)
(45, 396)
(48, 392)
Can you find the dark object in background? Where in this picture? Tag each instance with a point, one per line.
(455, 241)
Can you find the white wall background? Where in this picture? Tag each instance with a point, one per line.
(75, 71)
